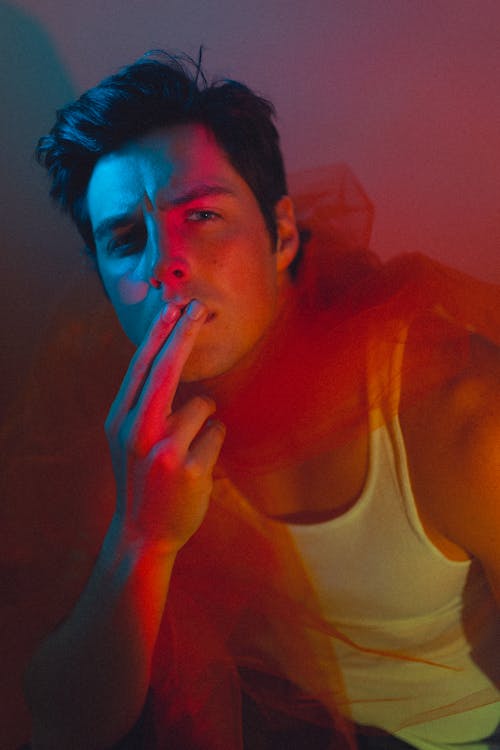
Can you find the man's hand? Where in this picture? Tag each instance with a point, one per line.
(88, 680)
(163, 460)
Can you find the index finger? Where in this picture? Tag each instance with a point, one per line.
(141, 363)
(163, 379)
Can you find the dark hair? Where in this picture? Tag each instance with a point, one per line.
(160, 90)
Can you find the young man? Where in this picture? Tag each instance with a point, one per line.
(284, 528)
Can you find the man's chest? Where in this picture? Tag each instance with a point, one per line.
(318, 489)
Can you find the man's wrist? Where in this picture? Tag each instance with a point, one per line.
(124, 543)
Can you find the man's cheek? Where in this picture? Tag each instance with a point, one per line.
(131, 291)
(129, 300)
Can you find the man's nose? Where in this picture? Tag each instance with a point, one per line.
(169, 266)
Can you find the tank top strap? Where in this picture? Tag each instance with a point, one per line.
(384, 363)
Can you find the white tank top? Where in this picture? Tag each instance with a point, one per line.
(383, 584)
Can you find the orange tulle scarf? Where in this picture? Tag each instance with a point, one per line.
(238, 584)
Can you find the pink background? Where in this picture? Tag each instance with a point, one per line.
(404, 91)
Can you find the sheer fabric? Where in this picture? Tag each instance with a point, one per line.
(238, 576)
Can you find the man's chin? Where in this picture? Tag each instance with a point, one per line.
(199, 369)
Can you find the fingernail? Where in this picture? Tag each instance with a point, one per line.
(170, 313)
(214, 422)
(195, 309)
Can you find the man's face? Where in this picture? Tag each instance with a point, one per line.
(173, 221)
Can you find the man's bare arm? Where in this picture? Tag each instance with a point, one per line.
(456, 475)
(476, 521)
(87, 682)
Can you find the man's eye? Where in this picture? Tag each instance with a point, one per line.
(125, 245)
(201, 215)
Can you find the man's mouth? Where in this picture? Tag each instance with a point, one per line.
(182, 310)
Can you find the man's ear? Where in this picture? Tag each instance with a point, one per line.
(288, 235)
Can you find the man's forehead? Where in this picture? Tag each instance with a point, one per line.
(164, 166)
(116, 186)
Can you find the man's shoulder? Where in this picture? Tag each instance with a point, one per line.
(471, 408)
(464, 404)
(454, 370)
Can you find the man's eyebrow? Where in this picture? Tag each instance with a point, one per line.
(113, 222)
(198, 191)
(126, 219)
